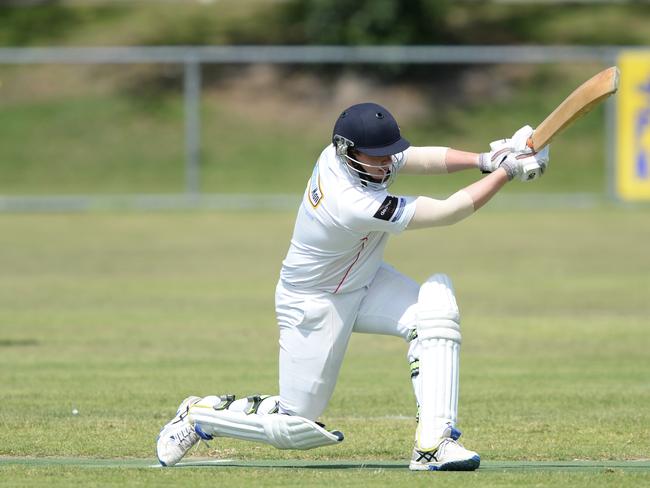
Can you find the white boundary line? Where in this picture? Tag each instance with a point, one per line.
(636, 465)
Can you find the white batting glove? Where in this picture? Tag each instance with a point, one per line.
(526, 166)
(499, 150)
(520, 139)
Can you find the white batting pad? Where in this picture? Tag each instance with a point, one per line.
(438, 327)
(281, 431)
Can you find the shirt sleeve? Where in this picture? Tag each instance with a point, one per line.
(375, 211)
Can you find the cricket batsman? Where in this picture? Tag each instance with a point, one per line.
(334, 282)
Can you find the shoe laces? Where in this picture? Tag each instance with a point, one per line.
(448, 444)
(185, 437)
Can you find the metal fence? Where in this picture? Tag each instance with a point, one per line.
(192, 57)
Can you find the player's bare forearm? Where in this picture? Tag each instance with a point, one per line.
(485, 188)
(457, 160)
(430, 212)
(428, 160)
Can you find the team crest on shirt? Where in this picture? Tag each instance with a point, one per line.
(314, 190)
(391, 209)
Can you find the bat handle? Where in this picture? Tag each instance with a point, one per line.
(531, 144)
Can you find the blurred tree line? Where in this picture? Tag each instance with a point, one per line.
(366, 22)
(316, 22)
(405, 22)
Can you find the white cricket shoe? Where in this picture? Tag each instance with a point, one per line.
(177, 436)
(450, 455)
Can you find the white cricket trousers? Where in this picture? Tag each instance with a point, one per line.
(315, 329)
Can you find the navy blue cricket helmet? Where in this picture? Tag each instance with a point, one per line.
(370, 129)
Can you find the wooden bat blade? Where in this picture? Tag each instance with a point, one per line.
(581, 101)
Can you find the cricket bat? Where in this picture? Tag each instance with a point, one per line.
(581, 101)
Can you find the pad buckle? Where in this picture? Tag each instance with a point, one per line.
(254, 402)
(225, 402)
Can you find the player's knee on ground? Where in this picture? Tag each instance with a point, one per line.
(256, 418)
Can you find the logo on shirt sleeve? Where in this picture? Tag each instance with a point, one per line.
(315, 192)
(387, 209)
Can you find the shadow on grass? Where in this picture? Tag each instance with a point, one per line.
(294, 464)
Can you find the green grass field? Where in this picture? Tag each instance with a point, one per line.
(123, 315)
(120, 315)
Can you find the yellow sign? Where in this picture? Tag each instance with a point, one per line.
(633, 123)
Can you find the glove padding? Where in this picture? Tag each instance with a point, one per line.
(520, 139)
(526, 166)
(499, 150)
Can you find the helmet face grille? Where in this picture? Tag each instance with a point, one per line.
(358, 170)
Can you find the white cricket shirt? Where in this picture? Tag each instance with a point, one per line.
(341, 230)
